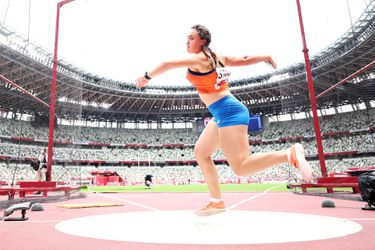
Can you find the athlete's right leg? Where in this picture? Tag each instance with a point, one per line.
(206, 145)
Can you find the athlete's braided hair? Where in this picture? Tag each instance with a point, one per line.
(205, 34)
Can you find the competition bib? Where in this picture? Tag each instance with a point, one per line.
(222, 76)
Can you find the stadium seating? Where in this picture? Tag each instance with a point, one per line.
(80, 150)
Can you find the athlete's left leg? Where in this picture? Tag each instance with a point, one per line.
(234, 143)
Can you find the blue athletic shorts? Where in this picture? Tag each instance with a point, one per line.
(228, 111)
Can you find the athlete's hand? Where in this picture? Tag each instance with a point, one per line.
(271, 62)
(141, 82)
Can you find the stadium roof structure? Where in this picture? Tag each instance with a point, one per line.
(84, 95)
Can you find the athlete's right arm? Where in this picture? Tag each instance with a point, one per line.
(163, 67)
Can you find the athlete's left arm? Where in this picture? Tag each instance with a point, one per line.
(248, 60)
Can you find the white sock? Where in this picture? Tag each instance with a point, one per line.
(215, 200)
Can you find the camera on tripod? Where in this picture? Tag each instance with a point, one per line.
(366, 183)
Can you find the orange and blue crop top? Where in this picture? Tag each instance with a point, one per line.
(211, 82)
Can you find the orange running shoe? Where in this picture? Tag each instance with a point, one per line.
(211, 208)
(298, 160)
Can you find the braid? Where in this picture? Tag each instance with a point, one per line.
(208, 56)
(214, 57)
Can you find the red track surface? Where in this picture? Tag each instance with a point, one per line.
(39, 231)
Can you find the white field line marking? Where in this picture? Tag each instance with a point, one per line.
(130, 202)
(252, 197)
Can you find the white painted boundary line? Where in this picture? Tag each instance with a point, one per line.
(130, 202)
(253, 197)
